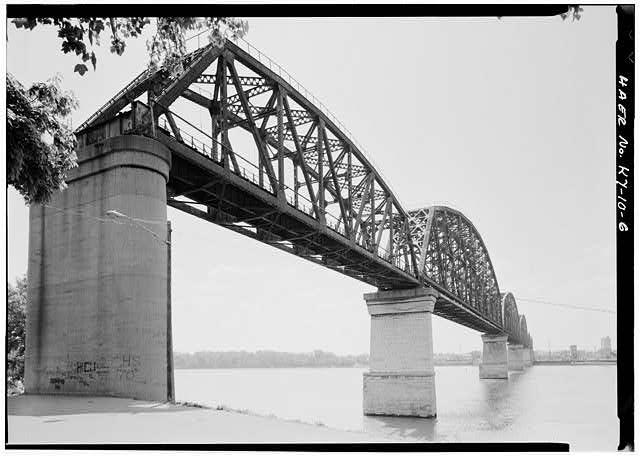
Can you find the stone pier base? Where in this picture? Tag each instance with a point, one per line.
(515, 357)
(97, 320)
(494, 357)
(401, 378)
(399, 395)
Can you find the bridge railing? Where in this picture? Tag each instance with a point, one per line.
(250, 171)
(145, 74)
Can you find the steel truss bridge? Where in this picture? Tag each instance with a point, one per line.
(269, 161)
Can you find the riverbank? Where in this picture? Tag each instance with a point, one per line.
(575, 362)
(52, 419)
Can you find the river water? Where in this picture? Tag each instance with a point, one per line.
(569, 404)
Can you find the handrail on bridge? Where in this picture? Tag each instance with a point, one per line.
(333, 222)
(112, 100)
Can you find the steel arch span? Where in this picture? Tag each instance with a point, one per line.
(252, 150)
(452, 254)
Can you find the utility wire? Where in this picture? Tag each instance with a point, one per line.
(120, 221)
(567, 305)
(124, 222)
(105, 219)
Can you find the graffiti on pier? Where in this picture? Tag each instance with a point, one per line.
(57, 382)
(123, 367)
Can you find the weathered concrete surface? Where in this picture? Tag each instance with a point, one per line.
(40, 419)
(526, 357)
(97, 296)
(401, 380)
(515, 357)
(494, 357)
(399, 395)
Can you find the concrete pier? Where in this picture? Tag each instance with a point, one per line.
(401, 378)
(515, 357)
(97, 320)
(494, 363)
(526, 357)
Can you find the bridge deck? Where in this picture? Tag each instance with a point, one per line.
(219, 195)
(239, 204)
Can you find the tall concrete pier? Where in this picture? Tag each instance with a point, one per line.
(97, 319)
(494, 363)
(401, 378)
(515, 359)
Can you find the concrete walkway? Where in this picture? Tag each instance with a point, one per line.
(41, 419)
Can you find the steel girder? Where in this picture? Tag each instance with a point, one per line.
(515, 324)
(452, 254)
(304, 186)
(511, 319)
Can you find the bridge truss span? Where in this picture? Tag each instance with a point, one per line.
(252, 152)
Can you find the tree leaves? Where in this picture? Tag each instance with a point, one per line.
(16, 322)
(81, 68)
(40, 143)
(575, 11)
(117, 46)
(166, 47)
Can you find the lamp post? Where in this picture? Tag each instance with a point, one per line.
(112, 213)
(138, 222)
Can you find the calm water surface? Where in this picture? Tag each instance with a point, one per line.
(571, 404)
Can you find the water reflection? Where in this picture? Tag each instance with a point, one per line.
(504, 400)
(490, 405)
(542, 403)
(497, 411)
(401, 427)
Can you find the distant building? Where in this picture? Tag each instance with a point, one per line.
(573, 349)
(605, 348)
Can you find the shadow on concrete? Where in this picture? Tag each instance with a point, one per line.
(59, 405)
(422, 429)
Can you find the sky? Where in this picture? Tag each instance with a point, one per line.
(508, 121)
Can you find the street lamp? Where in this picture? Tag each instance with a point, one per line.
(112, 213)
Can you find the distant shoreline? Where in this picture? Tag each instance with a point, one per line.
(576, 362)
(268, 368)
(437, 364)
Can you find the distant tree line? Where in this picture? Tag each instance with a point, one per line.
(16, 317)
(266, 359)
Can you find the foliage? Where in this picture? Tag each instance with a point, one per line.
(266, 359)
(16, 319)
(40, 143)
(575, 11)
(166, 46)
